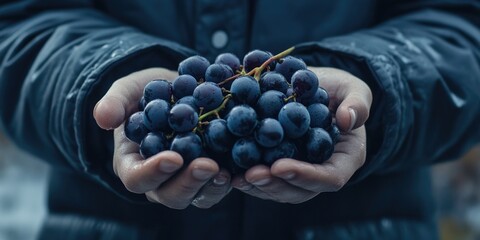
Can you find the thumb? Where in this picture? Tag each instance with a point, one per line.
(353, 111)
(121, 100)
(111, 110)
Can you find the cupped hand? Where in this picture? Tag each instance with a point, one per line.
(294, 181)
(161, 177)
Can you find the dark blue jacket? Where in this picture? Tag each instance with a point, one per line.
(420, 58)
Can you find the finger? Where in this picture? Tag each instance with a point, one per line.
(121, 100)
(214, 191)
(141, 175)
(240, 183)
(278, 189)
(350, 97)
(179, 191)
(353, 111)
(331, 175)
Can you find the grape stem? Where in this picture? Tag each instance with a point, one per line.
(216, 110)
(259, 70)
(256, 72)
(293, 96)
(224, 90)
(169, 136)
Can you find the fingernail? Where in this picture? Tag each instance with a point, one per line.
(353, 118)
(220, 180)
(262, 182)
(168, 167)
(288, 175)
(201, 174)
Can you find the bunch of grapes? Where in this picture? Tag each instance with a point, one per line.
(240, 115)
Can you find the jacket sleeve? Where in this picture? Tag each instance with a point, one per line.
(423, 67)
(55, 65)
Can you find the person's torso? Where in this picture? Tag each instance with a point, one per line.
(212, 27)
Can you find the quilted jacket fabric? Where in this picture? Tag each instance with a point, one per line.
(420, 58)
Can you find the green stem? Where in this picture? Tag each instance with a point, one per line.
(259, 70)
(216, 110)
(294, 95)
(256, 72)
(229, 79)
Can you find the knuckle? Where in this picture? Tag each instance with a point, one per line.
(132, 187)
(131, 184)
(337, 183)
(117, 83)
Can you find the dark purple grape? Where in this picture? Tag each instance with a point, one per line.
(273, 81)
(134, 128)
(321, 96)
(155, 115)
(230, 60)
(246, 153)
(295, 119)
(141, 104)
(242, 120)
(334, 133)
(288, 65)
(208, 96)
(320, 116)
(218, 72)
(255, 59)
(183, 86)
(158, 89)
(269, 104)
(182, 118)
(188, 145)
(194, 66)
(304, 83)
(245, 90)
(269, 133)
(285, 149)
(189, 100)
(319, 145)
(217, 136)
(152, 144)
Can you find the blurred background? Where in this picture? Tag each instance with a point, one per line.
(23, 185)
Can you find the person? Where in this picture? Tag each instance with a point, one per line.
(403, 77)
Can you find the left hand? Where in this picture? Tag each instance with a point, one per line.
(294, 181)
(160, 178)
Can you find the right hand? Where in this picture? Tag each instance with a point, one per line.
(293, 181)
(159, 177)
